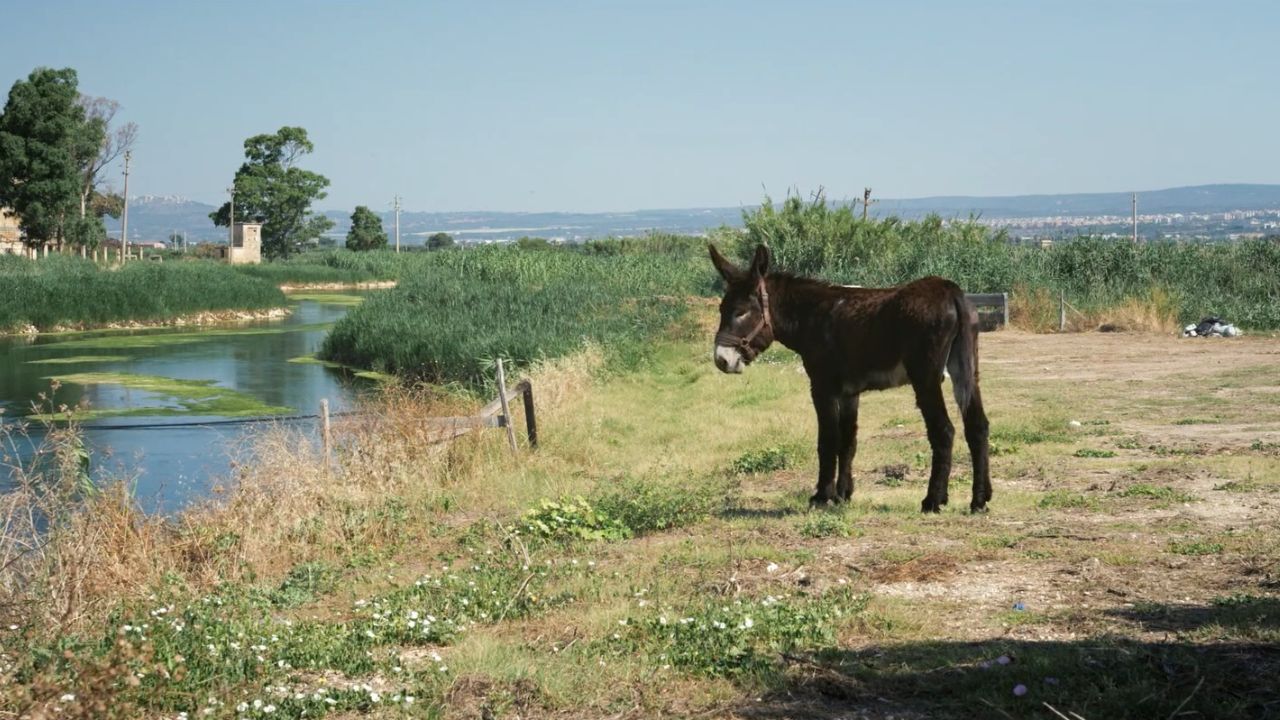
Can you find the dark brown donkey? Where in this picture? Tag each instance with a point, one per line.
(856, 339)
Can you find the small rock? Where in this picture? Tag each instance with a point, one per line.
(1074, 423)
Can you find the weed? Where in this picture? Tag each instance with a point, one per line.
(764, 460)
(1195, 547)
(742, 638)
(1092, 453)
(1066, 499)
(643, 507)
(303, 584)
(1156, 492)
(825, 524)
(571, 519)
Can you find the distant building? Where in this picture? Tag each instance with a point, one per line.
(246, 245)
(10, 234)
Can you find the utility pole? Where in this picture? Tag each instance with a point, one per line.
(124, 214)
(397, 206)
(231, 224)
(1135, 218)
(866, 202)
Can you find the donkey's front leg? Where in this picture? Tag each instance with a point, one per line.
(848, 445)
(827, 405)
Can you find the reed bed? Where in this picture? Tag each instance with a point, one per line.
(1150, 285)
(63, 291)
(458, 311)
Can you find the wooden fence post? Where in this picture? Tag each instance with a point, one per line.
(506, 408)
(324, 427)
(530, 420)
(1062, 311)
(1005, 304)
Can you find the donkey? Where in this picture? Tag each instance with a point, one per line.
(856, 339)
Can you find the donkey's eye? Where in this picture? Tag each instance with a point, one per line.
(742, 315)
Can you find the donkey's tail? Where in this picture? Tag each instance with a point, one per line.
(962, 362)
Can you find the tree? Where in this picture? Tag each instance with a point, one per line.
(439, 241)
(44, 140)
(271, 185)
(366, 231)
(100, 112)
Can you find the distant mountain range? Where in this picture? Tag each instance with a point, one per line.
(156, 217)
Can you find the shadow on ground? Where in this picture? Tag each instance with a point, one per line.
(1227, 670)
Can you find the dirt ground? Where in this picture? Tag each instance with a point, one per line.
(1137, 492)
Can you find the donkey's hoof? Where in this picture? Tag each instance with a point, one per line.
(929, 505)
(977, 508)
(822, 501)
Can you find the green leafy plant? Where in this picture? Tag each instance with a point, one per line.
(571, 519)
(764, 460)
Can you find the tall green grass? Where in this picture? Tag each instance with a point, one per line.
(1239, 281)
(67, 291)
(336, 266)
(459, 310)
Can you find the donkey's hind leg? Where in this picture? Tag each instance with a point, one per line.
(963, 364)
(976, 430)
(941, 436)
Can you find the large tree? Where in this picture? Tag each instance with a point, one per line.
(271, 185)
(115, 142)
(366, 231)
(45, 139)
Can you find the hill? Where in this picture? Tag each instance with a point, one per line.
(155, 217)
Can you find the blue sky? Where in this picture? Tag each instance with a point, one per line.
(592, 106)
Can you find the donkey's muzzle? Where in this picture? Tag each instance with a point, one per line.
(729, 359)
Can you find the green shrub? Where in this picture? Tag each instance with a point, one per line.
(571, 519)
(764, 460)
(644, 507)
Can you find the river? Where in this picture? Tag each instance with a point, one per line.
(154, 404)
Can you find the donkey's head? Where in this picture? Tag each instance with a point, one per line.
(746, 327)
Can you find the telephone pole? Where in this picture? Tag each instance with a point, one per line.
(397, 207)
(124, 214)
(1135, 218)
(866, 202)
(231, 223)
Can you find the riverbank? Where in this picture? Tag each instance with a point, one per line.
(362, 285)
(200, 319)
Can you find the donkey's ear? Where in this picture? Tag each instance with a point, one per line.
(728, 270)
(760, 263)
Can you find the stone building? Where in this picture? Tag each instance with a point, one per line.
(246, 244)
(10, 234)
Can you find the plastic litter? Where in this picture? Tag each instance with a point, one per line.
(1211, 326)
(1019, 606)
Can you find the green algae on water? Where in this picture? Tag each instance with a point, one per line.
(161, 339)
(366, 374)
(79, 360)
(191, 397)
(327, 298)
